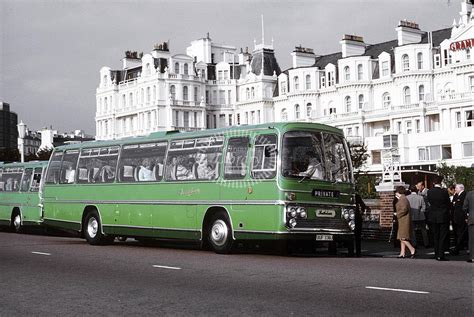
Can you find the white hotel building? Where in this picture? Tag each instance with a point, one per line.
(419, 87)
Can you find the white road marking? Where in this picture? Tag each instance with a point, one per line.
(40, 253)
(167, 267)
(397, 290)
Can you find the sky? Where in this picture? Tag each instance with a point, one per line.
(51, 51)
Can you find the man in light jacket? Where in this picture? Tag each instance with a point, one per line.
(418, 208)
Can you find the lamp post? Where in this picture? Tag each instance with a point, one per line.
(21, 139)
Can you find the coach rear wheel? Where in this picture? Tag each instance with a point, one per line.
(16, 222)
(93, 230)
(220, 234)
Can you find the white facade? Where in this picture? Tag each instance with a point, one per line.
(419, 86)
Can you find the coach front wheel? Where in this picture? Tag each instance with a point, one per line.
(220, 234)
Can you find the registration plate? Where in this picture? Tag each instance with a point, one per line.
(323, 237)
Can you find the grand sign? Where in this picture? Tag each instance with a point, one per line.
(462, 45)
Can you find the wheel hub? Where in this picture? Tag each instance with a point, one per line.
(219, 232)
(17, 221)
(92, 227)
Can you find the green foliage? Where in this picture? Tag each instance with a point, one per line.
(457, 175)
(365, 186)
(44, 154)
(364, 183)
(359, 157)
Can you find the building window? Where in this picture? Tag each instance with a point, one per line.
(471, 83)
(148, 69)
(258, 116)
(238, 119)
(406, 95)
(468, 149)
(219, 75)
(385, 71)
(252, 91)
(421, 93)
(221, 100)
(469, 118)
(405, 63)
(296, 83)
(437, 61)
(230, 119)
(284, 115)
(347, 73)
(417, 126)
(360, 72)
(447, 57)
(176, 68)
(347, 104)
(106, 104)
(323, 82)
(309, 109)
(130, 100)
(361, 101)
(308, 82)
(185, 93)
(124, 101)
(349, 132)
(399, 127)
(283, 87)
(386, 100)
(419, 58)
(331, 78)
(297, 111)
(457, 119)
(446, 152)
(185, 69)
(468, 53)
(196, 94)
(376, 157)
(247, 93)
(173, 92)
(408, 127)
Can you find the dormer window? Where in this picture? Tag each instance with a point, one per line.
(176, 68)
(185, 69)
(360, 72)
(347, 73)
(405, 63)
(419, 58)
(283, 87)
(385, 70)
(296, 83)
(323, 82)
(308, 82)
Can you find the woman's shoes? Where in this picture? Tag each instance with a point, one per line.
(413, 255)
(401, 257)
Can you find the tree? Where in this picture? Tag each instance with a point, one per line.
(364, 183)
(456, 175)
(44, 154)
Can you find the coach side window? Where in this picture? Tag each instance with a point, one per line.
(52, 177)
(68, 167)
(194, 159)
(142, 162)
(11, 179)
(97, 165)
(26, 180)
(236, 158)
(264, 157)
(35, 183)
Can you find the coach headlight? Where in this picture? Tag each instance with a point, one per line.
(352, 225)
(302, 212)
(345, 214)
(292, 223)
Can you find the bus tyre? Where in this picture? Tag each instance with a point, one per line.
(220, 234)
(16, 222)
(93, 230)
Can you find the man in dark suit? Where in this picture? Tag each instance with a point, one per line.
(438, 199)
(459, 218)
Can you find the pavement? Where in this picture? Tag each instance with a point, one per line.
(378, 248)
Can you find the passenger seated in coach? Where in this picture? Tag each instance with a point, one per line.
(146, 171)
(171, 168)
(182, 170)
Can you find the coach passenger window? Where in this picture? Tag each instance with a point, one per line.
(26, 180)
(236, 158)
(53, 168)
(264, 157)
(68, 167)
(97, 165)
(12, 177)
(194, 159)
(142, 162)
(35, 183)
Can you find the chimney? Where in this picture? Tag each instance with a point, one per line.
(352, 45)
(408, 33)
(131, 59)
(466, 9)
(303, 56)
(161, 50)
